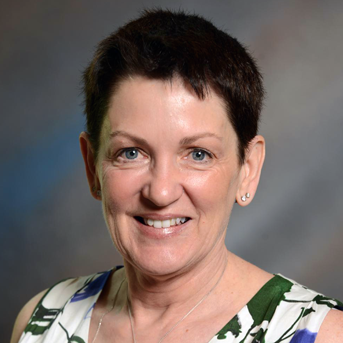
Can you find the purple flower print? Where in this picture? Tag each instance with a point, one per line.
(304, 336)
(92, 288)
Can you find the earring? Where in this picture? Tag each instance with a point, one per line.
(98, 193)
(245, 197)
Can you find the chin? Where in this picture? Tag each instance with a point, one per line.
(160, 263)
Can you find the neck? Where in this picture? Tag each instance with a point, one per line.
(178, 292)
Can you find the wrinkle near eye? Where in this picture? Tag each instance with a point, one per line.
(103, 171)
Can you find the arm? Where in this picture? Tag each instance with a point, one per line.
(331, 331)
(24, 316)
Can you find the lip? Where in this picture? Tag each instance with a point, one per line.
(163, 233)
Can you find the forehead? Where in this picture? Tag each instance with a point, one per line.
(140, 104)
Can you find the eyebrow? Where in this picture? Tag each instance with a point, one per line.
(192, 139)
(183, 141)
(139, 140)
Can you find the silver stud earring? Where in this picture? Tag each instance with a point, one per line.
(245, 197)
(98, 193)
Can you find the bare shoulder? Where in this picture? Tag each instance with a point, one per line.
(331, 330)
(24, 316)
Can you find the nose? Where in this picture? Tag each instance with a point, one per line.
(164, 185)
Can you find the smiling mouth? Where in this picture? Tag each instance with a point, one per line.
(161, 224)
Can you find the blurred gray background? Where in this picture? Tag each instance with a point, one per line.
(51, 228)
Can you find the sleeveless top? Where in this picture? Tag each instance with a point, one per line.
(282, 311)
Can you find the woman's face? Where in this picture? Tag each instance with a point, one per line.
(169, 174)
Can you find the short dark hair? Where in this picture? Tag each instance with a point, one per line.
(162, 44)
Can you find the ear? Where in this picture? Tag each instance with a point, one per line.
(91, 172)
(251, 171)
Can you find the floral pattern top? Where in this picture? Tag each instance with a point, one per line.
(281, 311)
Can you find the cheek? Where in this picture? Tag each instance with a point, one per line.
(212, 189)
(119, 188)
(213, 195)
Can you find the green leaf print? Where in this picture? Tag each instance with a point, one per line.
(308, 311)
(43, 317)
(232, 326)
(76, 339)
(287, 333)
(41, 320)
(322, 300)
(73, 338)
(259, 336)
(263, 305)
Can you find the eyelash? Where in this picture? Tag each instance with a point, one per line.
(123, 151)
(192, 150)
(207, 153)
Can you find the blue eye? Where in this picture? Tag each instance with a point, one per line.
(131, 154)
(199, 155)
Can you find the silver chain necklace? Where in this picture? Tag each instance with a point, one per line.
(172, 328)
(106, 313)
(183, 318)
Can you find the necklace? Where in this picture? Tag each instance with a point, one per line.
(106, 313)
(184, 317)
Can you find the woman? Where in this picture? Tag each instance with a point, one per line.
(172, 108)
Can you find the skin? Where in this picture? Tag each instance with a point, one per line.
(165, 179)
(167, 124)
(168, 271)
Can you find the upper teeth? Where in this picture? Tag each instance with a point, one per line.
(158, 224)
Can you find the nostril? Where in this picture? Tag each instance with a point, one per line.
(161, 191)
